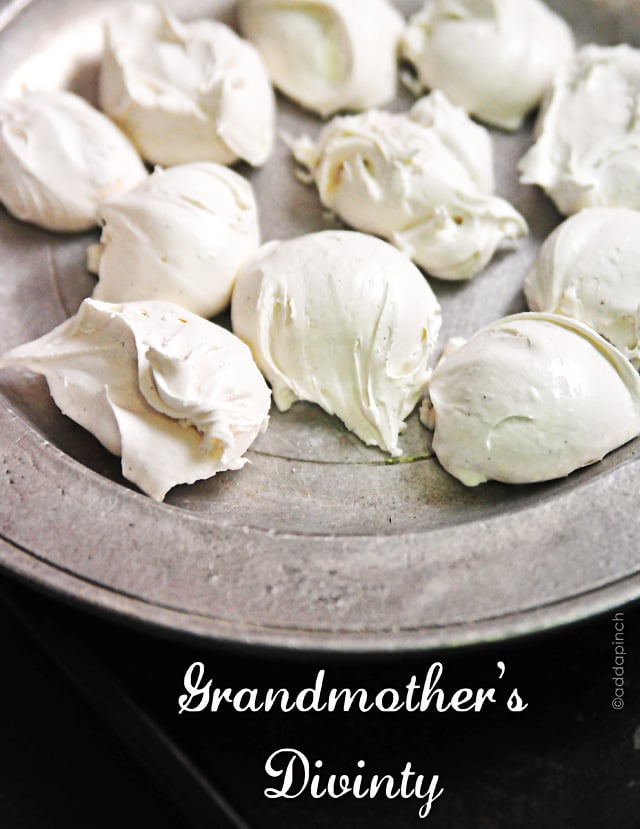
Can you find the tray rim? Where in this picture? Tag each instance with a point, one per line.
(76, 590)
(79, 588)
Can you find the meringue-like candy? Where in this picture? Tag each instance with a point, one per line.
(186, 91)
(178, 397)
(59, 157)
(495, 58)
(530, 398)
(587, 152)
(181, 237)
(423, 180)
(327, 55)
(343, 320)
(588, 269)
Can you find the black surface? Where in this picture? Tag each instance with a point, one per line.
(59, 765)
(569, 760)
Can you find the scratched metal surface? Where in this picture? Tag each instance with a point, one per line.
(318, 543)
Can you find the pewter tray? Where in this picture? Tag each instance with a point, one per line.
(319, 543)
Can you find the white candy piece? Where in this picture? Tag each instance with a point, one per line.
(589, 269)
(423, 180)
(181, 237)
(59, 158)
(186, 91)
(342, 320)
(587, 152)
(179, 398)
(495, 58)
(330, 55)
(529, 398)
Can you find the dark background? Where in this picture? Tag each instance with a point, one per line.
(91, 735)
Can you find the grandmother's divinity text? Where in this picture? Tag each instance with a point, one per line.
(294, 774)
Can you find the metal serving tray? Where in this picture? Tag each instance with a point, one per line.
(319, 543)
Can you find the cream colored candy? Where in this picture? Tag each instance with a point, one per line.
(587, 152)
(423, 180)
(494, 58)
(589, 269)
(59, 158)
(531, 397)
(179, 398)
(329, 55)
(186, 91)
(181, 236)
(342, 320)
